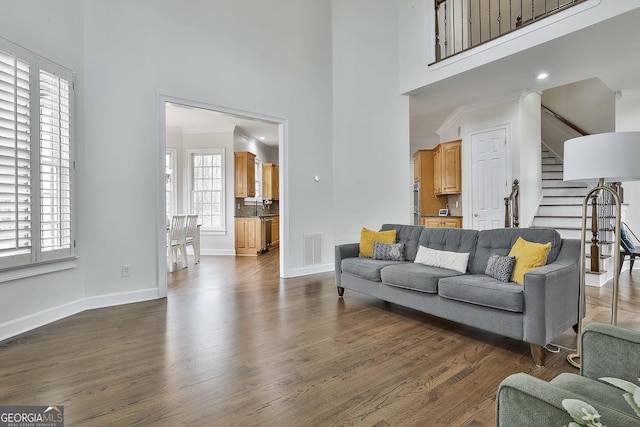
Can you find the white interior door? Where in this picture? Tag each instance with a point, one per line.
(489, 177)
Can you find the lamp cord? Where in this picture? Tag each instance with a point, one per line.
(555, 348)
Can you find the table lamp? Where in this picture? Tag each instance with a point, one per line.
(600, 158)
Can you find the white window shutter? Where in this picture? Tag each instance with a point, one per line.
(15, 160)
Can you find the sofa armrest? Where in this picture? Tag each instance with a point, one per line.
(610, 351)
(347, 250)
(524, 401)
(551, 296)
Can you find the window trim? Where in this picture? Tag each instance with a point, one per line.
(41, 262)
(221, 151)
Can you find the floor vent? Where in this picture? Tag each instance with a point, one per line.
(312, 249)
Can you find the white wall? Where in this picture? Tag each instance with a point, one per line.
(628, 119)
(30, 302)
(528, 137)
(215, 52)
(588, 104)
(370, 119)
(218, 53)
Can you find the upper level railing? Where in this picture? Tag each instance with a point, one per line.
(464, 24)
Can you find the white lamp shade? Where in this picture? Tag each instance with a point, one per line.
(613, 156)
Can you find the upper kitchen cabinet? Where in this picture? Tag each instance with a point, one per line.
(447, 169)
(245, 174)
(270, 181)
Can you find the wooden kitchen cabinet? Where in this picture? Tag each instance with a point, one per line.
(245, 174)
(248, 236)
(448, 168)
(270, 181)
(423, 170)
(275, 232)
(442, 222)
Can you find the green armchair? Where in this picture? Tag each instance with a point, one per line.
(607, 351)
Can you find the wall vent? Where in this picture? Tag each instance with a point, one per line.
(312, 249)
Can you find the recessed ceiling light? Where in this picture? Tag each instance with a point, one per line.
(542, 76)
(262, 138)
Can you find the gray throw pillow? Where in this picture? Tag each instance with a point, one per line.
(388, 252)
(500, 267)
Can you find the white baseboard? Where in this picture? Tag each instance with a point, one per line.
(35, 320)
(50, 315)
(305, 271)
(110, 300)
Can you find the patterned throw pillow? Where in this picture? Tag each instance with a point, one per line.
(388, 252)
(500, 267)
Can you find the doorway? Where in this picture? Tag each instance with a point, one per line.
(187, 127)
(489, 178)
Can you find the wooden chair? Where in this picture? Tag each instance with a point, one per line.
(177, 241)
(631, 250)
(192, 236)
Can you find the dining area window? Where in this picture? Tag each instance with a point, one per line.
(206, 187)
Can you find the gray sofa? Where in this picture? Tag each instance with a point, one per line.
(536, 313)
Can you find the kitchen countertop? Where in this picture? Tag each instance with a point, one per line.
(438, 216)
(257, 216)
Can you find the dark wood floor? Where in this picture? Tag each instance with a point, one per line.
(235, 345)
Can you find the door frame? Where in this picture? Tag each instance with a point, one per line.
(467, 182)
(161, 250)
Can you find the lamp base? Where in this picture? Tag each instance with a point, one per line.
(574, 360)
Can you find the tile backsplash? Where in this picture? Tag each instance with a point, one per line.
(260, 209)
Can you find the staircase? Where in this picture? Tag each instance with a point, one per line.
(561, 209)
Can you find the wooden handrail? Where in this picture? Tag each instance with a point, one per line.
(512, 215)
(565, 121)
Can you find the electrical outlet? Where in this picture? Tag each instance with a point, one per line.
(126, 270)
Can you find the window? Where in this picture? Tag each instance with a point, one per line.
(36, 166)
(206, 181)
(258, 170)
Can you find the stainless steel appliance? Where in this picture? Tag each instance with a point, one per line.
(266, 233)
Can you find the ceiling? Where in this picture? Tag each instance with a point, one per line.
(609, 50)
(192, 120)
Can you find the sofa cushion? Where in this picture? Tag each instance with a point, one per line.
(501, 240)
(450, 239)
(418, 277)
(483, 290)
(594, 391)
(407, 234)
(366, 268)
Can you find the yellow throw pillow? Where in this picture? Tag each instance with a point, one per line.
(528, 255)
(368, 237)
